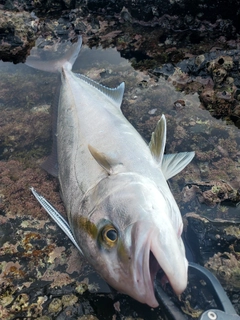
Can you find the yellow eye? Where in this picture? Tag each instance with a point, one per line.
(109, 235)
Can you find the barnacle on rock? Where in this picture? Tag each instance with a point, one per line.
(225, 62)
(6, 296)
(55, 305)
(36, 308)
(81, 288)
(90, 317)
(199, 59)
(226, 266)
(21, 303)
(233, 230)
(219, 75)
(69, 300)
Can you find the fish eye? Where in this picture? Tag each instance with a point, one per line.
(109, 235)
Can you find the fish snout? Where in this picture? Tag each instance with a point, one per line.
(157, 248)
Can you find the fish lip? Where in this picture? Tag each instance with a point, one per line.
(146, 267)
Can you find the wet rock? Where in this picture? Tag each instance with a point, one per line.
(212, 237)
(212, 193)
(215, 244)
(125, 15)
(155, 9)
(42, 7)
(17, 35)
(11, 144)
(162, 19)
(138, 10)
(219, 68)
(213, 76)
(88, 317)
(226, 267)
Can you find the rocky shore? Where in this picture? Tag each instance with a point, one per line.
(180, 58)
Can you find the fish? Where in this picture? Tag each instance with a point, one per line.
(122, 215)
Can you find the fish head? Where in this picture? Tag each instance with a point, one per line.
(129, 236)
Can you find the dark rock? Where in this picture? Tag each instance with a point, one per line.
(216, 245)
(203, 10)
(17, 35)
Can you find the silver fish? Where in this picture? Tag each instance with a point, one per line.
(122, 214)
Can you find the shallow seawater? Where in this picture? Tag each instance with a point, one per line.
(39, 268)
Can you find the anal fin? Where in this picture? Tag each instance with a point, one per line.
(50, 165)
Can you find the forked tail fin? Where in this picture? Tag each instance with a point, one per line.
(56, 65)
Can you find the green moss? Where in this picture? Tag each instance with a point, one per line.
(222, 209)
(36, 153)
(233, 231)
(216, 189)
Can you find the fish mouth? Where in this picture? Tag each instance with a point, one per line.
(154, 269)
(154, 266)
(153, 257)
(145, 273)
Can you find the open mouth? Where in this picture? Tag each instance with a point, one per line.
(155, 269)
(150, 269)
(148, 265)
(154, 266)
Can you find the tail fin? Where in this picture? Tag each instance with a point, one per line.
(56, 65)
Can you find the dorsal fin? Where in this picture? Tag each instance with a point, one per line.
(172, 164)
(109, 164)
(115, 94)
(158, 140)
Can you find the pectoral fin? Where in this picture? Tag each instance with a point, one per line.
(172, 164)
(109, 164)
